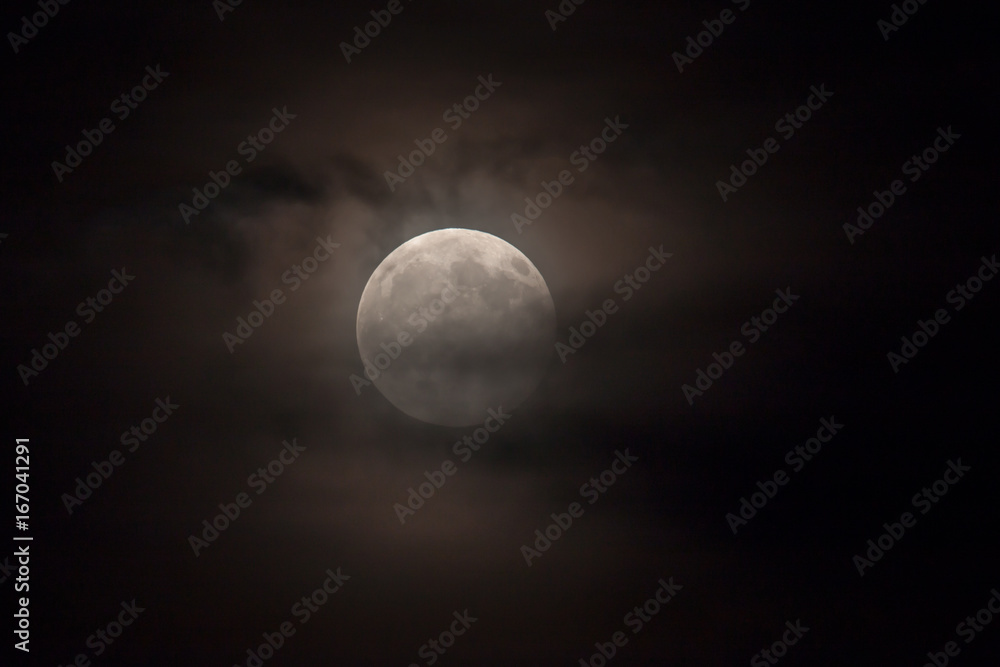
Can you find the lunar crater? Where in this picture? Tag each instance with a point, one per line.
(477, 320)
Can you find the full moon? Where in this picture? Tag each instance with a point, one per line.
(455, 322)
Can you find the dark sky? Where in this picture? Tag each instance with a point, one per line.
(663, 523)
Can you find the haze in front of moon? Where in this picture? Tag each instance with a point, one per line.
(480, 318)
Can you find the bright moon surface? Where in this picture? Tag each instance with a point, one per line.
(454, 322)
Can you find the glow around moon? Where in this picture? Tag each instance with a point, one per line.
(454, 322)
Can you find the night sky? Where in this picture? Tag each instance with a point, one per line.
(781, 438)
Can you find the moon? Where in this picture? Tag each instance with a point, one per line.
(455, 322)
